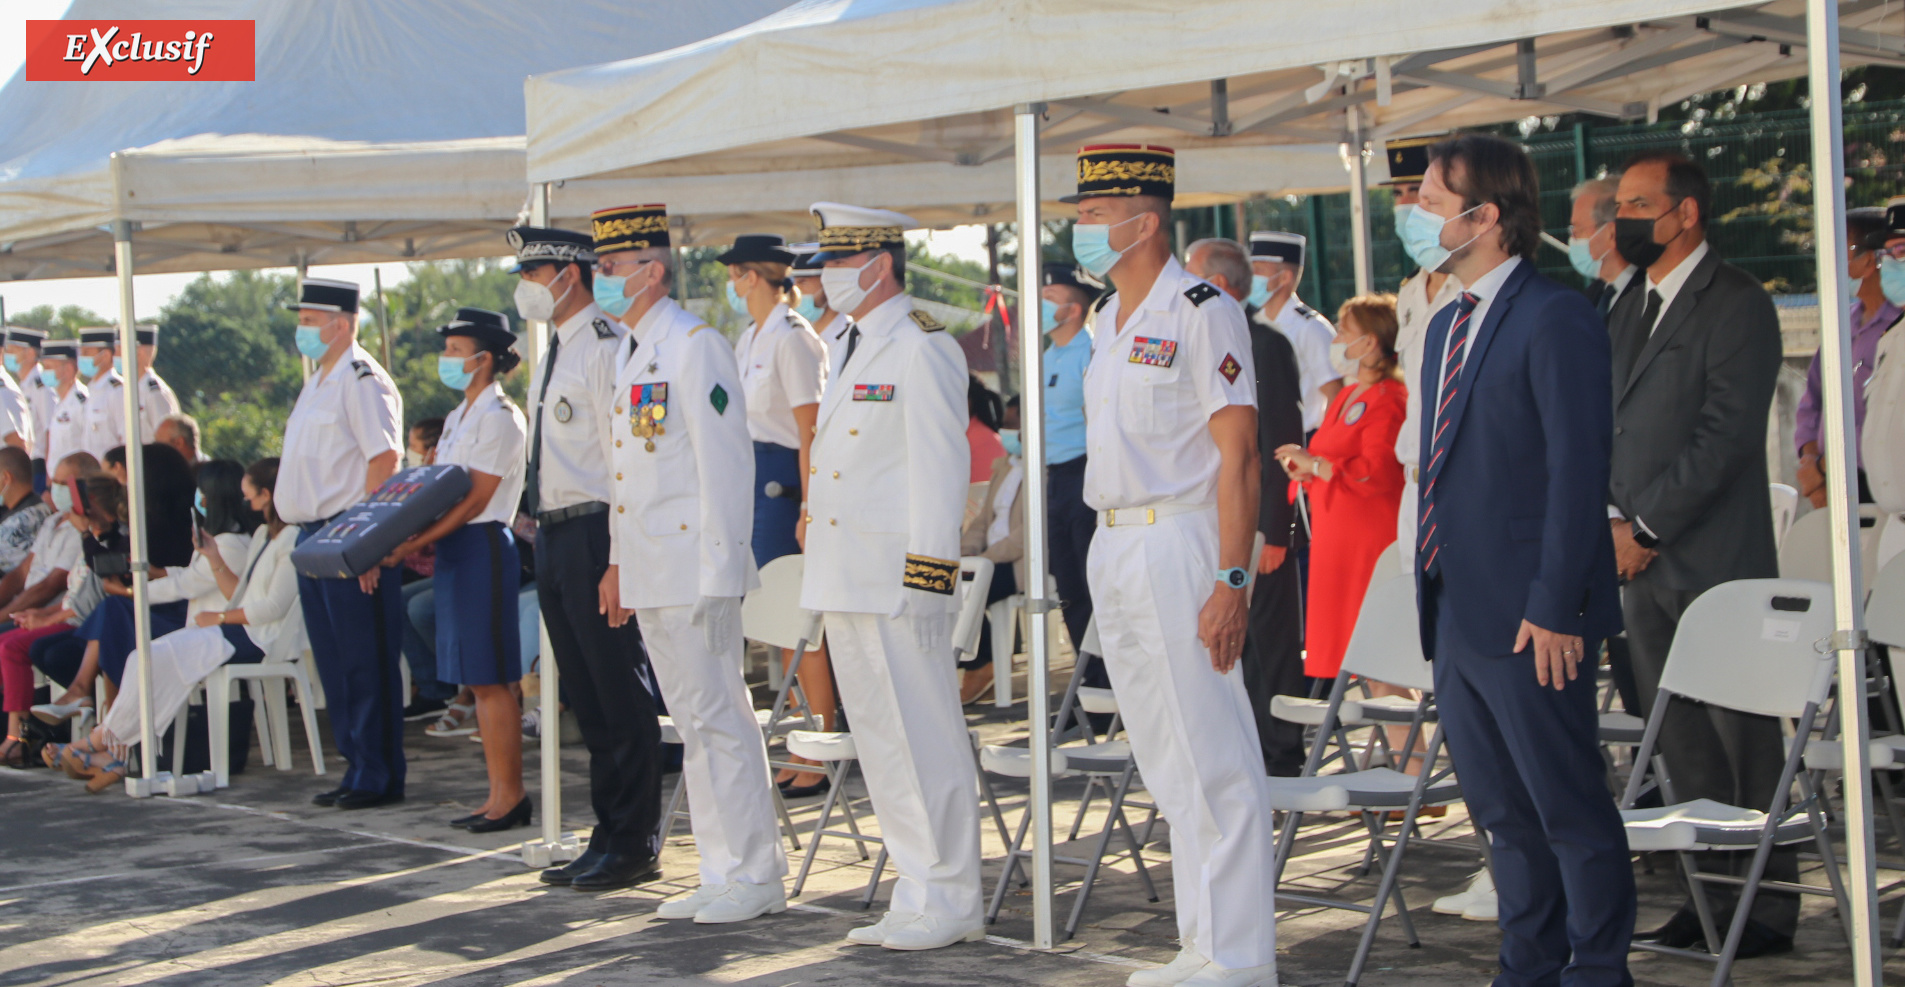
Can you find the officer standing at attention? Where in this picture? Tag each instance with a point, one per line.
(681, 559)
(881, 532)
(23, 362)
(156, 402)
(1276, 265)
(16, 409)
(103, 420)
(66, 417)
(569, 488)
(1174, 473)
(343, 440)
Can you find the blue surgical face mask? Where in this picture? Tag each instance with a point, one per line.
(1009, 437)
(1047, 315)
(49, 378)
(1259, 290)
(450, 371)
(737, 303)
(62, 497)
(87, 369)
(1582, 257)
(310, 342)
(13, 364)
(1422, 237)
(119, 364)
(1091, 245)
(1402, 215)
(1892, 279)
(608, 294)
(808, 309)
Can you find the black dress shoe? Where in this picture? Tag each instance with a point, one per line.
(1681, 932)
(805, 791)
(519, 816)
(1757, 939)
(561, 876)
(367, 800)
(328, 799)
(463, 822)
(423, 709)
(618, 870)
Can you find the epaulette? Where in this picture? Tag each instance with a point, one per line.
(926, 322)
(363, 369)
(1201, 292)
(1305, 311)
(696, 329)
(798, 320)
(116, 382)
(602, 329)
(153, 384)
(1103, 299)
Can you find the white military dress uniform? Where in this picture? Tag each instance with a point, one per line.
(341, 421)
(1311, 334)
(156, 404)
(40, 400)
(886, 498)
(1414, 308)
(1182, 355)
(104, 418)
(16, 412)
(680, 531)
(66, 426)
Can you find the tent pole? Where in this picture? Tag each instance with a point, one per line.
(552, 848)
(148, 782)
(1358, 202)
(1038, 604)
(383, 314)
(1835, 342)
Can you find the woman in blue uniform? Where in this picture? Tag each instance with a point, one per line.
(478, 644)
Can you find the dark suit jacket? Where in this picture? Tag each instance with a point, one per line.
(1690, 407)
(1600, 288)
(1279, 423)
(1523, 531)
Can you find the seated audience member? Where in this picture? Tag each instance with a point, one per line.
(180, 431)
(1872, 316)
(984, 419)
(997, 533)
(42, 576)
(24, 512)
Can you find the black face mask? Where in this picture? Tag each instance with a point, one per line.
(1634, 238)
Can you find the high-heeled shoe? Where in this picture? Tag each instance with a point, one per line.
(114, 773)
(464, 822)
(519, 816)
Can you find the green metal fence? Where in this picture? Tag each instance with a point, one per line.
(1760, 166)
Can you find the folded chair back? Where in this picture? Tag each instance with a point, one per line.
(772, 614)
(1387, 643)
(1754, 645)
(1885, 608)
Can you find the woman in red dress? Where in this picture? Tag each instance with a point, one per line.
(1352, 478)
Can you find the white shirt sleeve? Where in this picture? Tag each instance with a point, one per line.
(1221, 367)
(374, 411)
(800, 362)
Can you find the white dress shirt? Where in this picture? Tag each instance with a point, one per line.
(40, 400)
(1414, 309)
(574, 417)
(156, 404)
(1484, 289)
(1181, 356)
(197, 584)
(1311, 334)
(56, 546)
(1669, 286)
(16, 411)
(343, 420)
(104, 418)
(783, 365)
(489, 436)
(66, 427)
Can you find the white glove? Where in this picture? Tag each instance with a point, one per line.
(932, 629)
(716, 616)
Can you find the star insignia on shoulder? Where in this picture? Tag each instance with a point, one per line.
(925, 322)
(1201, 292)
(602, 328)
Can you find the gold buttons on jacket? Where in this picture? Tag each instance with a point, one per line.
(618, 443)
(684, 527)
(620, 509)
(853, 431)
(832, 521)
(618, 476)
(813, 469)
(836, 474)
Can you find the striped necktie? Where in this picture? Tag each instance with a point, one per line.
(1431, 542)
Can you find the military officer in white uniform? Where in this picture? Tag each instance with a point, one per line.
(1173, 471)
(1276, 265)
(16, 411)
(881, 532)
(343, 440)
(66, 416)
(157, 402)
(681, 558)
(23, 363)
(104, 417)
(571, 442)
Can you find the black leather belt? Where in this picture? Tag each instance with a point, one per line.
(569, 513)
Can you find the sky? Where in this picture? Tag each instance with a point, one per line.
(151, 292)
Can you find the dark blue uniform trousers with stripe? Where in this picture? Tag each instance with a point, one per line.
(356, 639)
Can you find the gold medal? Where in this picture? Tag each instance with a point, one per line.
(649, 445)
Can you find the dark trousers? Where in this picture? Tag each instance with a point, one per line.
(1273, 665)
(1071, 525)
(602, 670)
(357, 641)
(1711, 753)
(1532, 775)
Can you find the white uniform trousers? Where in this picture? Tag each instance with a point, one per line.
(724, 762)
(1191, 732)
(1406, 526)
(917, 757)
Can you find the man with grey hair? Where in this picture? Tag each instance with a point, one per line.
(1591, 244)
(180, 431)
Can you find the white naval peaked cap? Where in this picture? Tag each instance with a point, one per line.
(1278, 245)
(846, 230)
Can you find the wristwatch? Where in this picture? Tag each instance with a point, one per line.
(1235, 577)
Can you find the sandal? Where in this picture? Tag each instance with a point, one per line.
(79, 763)
(458, 720)
(114, 773)
(13, 752)
(52, 753)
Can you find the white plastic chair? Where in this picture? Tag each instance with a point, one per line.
(265, 681)
(1785, 508)
(1751, 645)
(1806, 551)
(1008, 622)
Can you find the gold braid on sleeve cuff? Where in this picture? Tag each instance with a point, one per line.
(930, 574)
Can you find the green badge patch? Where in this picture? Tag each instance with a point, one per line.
(719, 398)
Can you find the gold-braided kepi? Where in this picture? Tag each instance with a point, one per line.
(847, 230)
(630, 228)
(1125, 170)
(1408, 159)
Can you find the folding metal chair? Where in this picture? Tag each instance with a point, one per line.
(1754, 646)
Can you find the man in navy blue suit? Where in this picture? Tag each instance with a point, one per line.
(1515, 564)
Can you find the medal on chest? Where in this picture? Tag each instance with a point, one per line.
(647, 409)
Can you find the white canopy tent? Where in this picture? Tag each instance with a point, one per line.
(872, 87)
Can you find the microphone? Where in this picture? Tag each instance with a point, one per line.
(774, 489)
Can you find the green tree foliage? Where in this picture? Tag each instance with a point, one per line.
(428, 298)
(67, 321)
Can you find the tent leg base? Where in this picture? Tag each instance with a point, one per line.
(544, 853)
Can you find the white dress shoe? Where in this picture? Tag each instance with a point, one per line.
(1482, 885)
(921, 932)
(1170, 974)
(739, 902)
(1213, 975)
(690, 906)
(1483, 909)
(875, 934)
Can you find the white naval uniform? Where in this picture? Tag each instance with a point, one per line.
(342, 420)
(66, 428)
(40, 400)
(1414, 308)
(156, 404)
(889, 469)
(1310, 334)
(834, 337)
(783, 365)
(16, 412)
(1152, 387)
(683, 516)
(104, 418)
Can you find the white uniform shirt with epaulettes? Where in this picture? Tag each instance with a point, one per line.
(684, 465)
(1311, 334)
(16, 411)
(343, 419)
(1414, 309)
(105, 415)
(574, 418)
(489, 435)
(887, 490)
(783, 365)
(40, 400)
(156, 404)
(1182, 356)
(66, 429)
